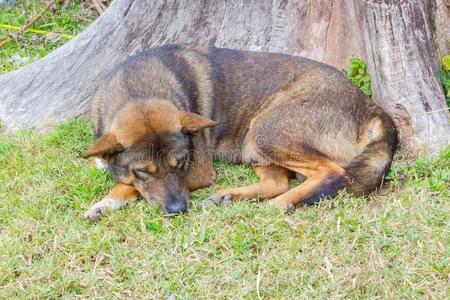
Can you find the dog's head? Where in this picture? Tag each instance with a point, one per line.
(149, 145)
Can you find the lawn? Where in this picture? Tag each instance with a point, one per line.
(392, 244)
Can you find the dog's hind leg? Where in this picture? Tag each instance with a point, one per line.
(119, 196)
(324, 178)
(274, 181)
(293, 137)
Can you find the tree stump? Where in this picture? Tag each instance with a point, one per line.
(404, 62)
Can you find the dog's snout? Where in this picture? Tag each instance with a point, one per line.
(176, 206)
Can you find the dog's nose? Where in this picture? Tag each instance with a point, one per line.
(176, 207)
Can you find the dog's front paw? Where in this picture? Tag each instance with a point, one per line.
(102, 208)
(94, 215)
(218, 200)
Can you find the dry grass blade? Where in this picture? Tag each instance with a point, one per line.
(258, 281)
(28, 24)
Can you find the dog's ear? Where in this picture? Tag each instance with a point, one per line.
(107, 144)
(193, 123)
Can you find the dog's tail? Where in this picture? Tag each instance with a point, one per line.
(364, 174)
(378, 139)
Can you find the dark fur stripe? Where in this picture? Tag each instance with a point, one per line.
(328, 189)
(182, 71)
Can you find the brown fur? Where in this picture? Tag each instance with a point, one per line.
(124, 192)
(169, 111)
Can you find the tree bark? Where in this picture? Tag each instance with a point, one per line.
(393, 36)
(404, 63)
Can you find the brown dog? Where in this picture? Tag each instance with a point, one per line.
(163, 115)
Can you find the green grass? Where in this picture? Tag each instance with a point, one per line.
(393, 244)
(390, 245)
(68, 19)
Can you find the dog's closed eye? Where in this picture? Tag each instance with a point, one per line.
(142, 174)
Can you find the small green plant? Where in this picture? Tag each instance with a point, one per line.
(357, 73)
(444, 76)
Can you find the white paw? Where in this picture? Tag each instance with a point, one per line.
(218, 200)
(101, 164)
(102, 208)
